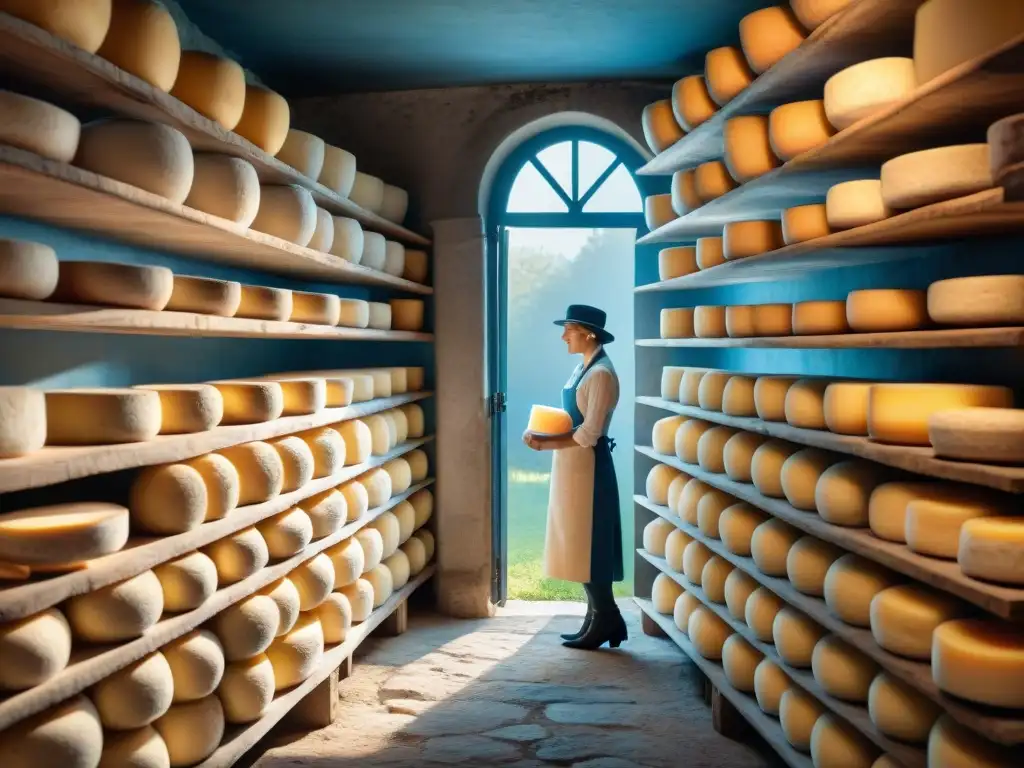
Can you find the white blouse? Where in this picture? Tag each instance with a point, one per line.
(596, 397)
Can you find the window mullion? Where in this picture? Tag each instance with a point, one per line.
(600, 180)
(551, 181)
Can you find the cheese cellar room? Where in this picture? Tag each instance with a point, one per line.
(528, 383)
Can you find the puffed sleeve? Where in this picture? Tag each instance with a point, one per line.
(601, 394)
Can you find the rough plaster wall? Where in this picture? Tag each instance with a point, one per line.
(194, 39)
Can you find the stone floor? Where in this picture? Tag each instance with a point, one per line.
(505, 692)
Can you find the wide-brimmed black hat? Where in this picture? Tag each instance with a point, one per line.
(591, 318)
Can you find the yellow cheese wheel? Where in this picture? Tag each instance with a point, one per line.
(711, 449)
(851, 204)
(248, 627)
(843, 493)
(709, 510)
(947, 34)
(304, 152)
(429, 543)
(315, 308)
(360, 598)
(813, 13)
(664, 593)
(261, 303)
(795, 637)
(768, 35)
(314, 580)
(798, 713)
(335, 617)
(770, 545)
(285, 595)
(658, 211)
(685, 605)
(356, 499)
(805, 403)
(303, 396)
(39, 127)
(933, 521)
(738, 456)
(358, 441)
(367, 192)
(211, 85)
(349, 239)
(833, 742)
(407, 314)
(338, 172)
(899, 711)
(414, 417)
(675, 548)
(862, 90)
(417, 266)
(726, 74)
(710, 252)
(713, 577)
(33, 649)
(63, 533)
(800, 475)
(691, 102)
(238, 556)
(739, 662)
(807, 564)
(83, 23)
(225, 186)
(247, 689)
(390, 532)
(770, 683)
(677, 323)
(707, 633)
(380, 315)
(141, 748)
(989, 548)
(899, 413)
(738, 589)
(684, 499)
(121, 611)
(748, 149)
(406, 515)
(328, 450)
(951, 745)
(850, 585)
(287, 212)
(981, 660)
(400, 567)
(887, 507)
(372, 543)
(69, 735)
(223, 484)
(846, 407)
(684, 196)
(736, 527)
(661, 130)
(260, 471)
(819, 317)
(383, 584)
(695, 557)
(739, 321)
(766, 467)
(711, 180)
(287, 533)
(770, 396)
(188, 408)
(192, 731)
(805, 222)
(797, 128)
(711, 389)
(265, 119)
(655, 535)
(688, 440)
(841, 670)
(187, 582)
(689, 385)
(934, 175)
(196, 663)
(760, 611)
(658, 481)
(115, 285)
(903, 618)
(27, 270)
(378, 487)
(296, 655)
(349, 560)
(738, 397)
(709, 322)
(677, 262)
(353, 313)
(663, 434)
(742, 239)
(773, 320)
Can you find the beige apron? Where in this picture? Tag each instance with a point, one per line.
(570, 515)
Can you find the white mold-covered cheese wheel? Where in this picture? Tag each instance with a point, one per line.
(287, 533)
(981, 660)
(372, 543)
(225, 186)
(150, 156)
(708, 633)
(851, 204)
(335, 616)
(27, 270)
(711, 180)
(795, 636)
(375, 251)
(395, 204)
(739, 662)
(695, 557)
(977, 301)
(948, 33)
(675, 549)
(261, 303)
(742, 239)
(709, 322)
(748, 149)
(842, 671)
(323, 233)
(691, 102)
(798, 127)
(314, 580)
(933, 175)
(353, 313)
(850, 585)
(248, 627)
(805, 222)
(405, 513)
(296, 655)
(770, 683)
(328, 450)
(378, 487)
(407, 314)
(843, 493)
(250, 402)
(658, 481)
(768, 35)
(39, 127)
(197, 663)
(429, 542)
(247, 689)
(689, 498)
(688, 440)
(833, 742)
(736, 527)
(685, 605)
(766, 467)
(933, 521)
(813, 13)
(338, 171)
(390, 532)
(770, 396)
(394, 258)
(759, 613)
(70, 736)
(285, 595)
(990, 548)
(846, 408)
(260, 471)
(238, 556)
(664, 593)
(710, 253)
(904, 618)
(899, 413)
(358, 437)
(798, 713)
(951, 745)
(63, 533)
(658, 211)
(360, 597)
(807, 564)
(899, 711)
(223, 484)
(141, 748)
(297, 460)
(684, 200)
(84, 23)
(661, 130)
(663, 435)
(192, 731)
(711, 390)
(356, 499)
(187, 582)
(33, 649)
(423, 503)
(367, 192)
(726, 74)
(770, 545)
(819, 317)
(383, 584)
(805, 405)
(349, 239)
(213, 86)
(265, 119)
(379, 315)
(399, 566)
(188, 408)
(121, 611)
(287, 212)
(304, 152)
(419, 465)
(863, 89)
(713, 577)
(676, 323)
(738, 397)
(800, 475)
(115, 285)
(711, 449)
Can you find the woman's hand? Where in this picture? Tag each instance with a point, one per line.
(532, 441)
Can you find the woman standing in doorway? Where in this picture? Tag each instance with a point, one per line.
(584, 529)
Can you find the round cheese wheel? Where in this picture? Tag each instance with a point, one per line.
(115, 285)
(808, 562)
(247, 689)
(358, 441)
(39, 127)
(952, 746)
(795, 637)
(407, 315)
(738, 589)
(400, 568)
(414, 416)
(367, 192)
(684, 200)
(770, 396)
(748, 151)
(989, 549)
(381, 434)
(866, 88)
(213, 86)
(261, 303)
(383, 584)
(250, 402)
(83, 23)
(238, 556)
(405, 513)
(711, 180)
(27, 270)
(323, 239)
(248, 627)
(63, 533)
(118, 612)
(395, 204)
(843, 493)
(675, 549)
(338, 171)
(417, 266)
(664, 593)
(225, 186)
(223, 484)
(742, 239)
(655, 535)
(328, 449)
(736, 527)
(378, 487)
(887, 507)
(297, 461)
(419, 466)
(835, 743)
(688, 440)
(33, 649)
(168, 499)
(850, 585)
(805, 222)
(304, 152)
(69, 735)
(711, 448)
(882, 310)
(933, 175)
(770, 545)
(356, 499)
(846, 407)
(685, 605)
(739, 662)
(980, 660)
(773, 320)
(188, 408)
(709, 322)
(934, 522)
(327, 512)
(287, 533)
(903, 618)
(976, 301)
(851, 204)
(770, 683)
(713, 577)
(899, 413)
(141, 748)
(349, 240)
(798, 127)
(819, 317)
(899, 711)
(658, 211)
(296, 655)
(805, 406)
(658, 481)
(691, 102)
(726, 74)
(285, 595)
(196, 663)
(660, 128)
(314, 580)
(265, 119)
(798, 713)
(187, 582)
(760, 611)
(813, 13)
(710, 252)
(394, 262)
(738, 397)
(375, 253)
(360, 598)
(709, 511)
(689, 385)
(260, 471)
(842, 671)
(675, 494)
(768, 35)
(388, 527)
(428, 542)
(766, 467)
(800, 475)
(192, 731)
(287, 212)
(708, 633)
(689, 500)
(335, 617)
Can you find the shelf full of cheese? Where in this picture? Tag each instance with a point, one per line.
(126, 57)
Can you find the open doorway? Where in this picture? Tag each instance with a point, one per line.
(565, 213)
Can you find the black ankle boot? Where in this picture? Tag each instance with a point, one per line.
(587, 620)
(604, 628)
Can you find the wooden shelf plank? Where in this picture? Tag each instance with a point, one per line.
(981, 214)
(237, 741)
(912, 459)
(767, 726)
(857, 716)
(945, 575)
(88, 667)
(143, 553)
(865, 30)
(47, 316)
(998, 725)
(32, 54)
(65, 196)
(936, 339)
(59, 464)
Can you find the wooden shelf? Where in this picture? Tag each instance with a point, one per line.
(768, 727)
(912, 459)
(997, 725)
(865, 30)
(30, 53)
(857, 716)
(945, 575)
(59, 464)
(143, 553)
(937, 339)
(238, 740)
(89, 666)
(47, 316)
(65, 196)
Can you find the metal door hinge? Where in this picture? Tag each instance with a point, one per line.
(496, 403)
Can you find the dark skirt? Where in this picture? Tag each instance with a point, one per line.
(606, 540)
